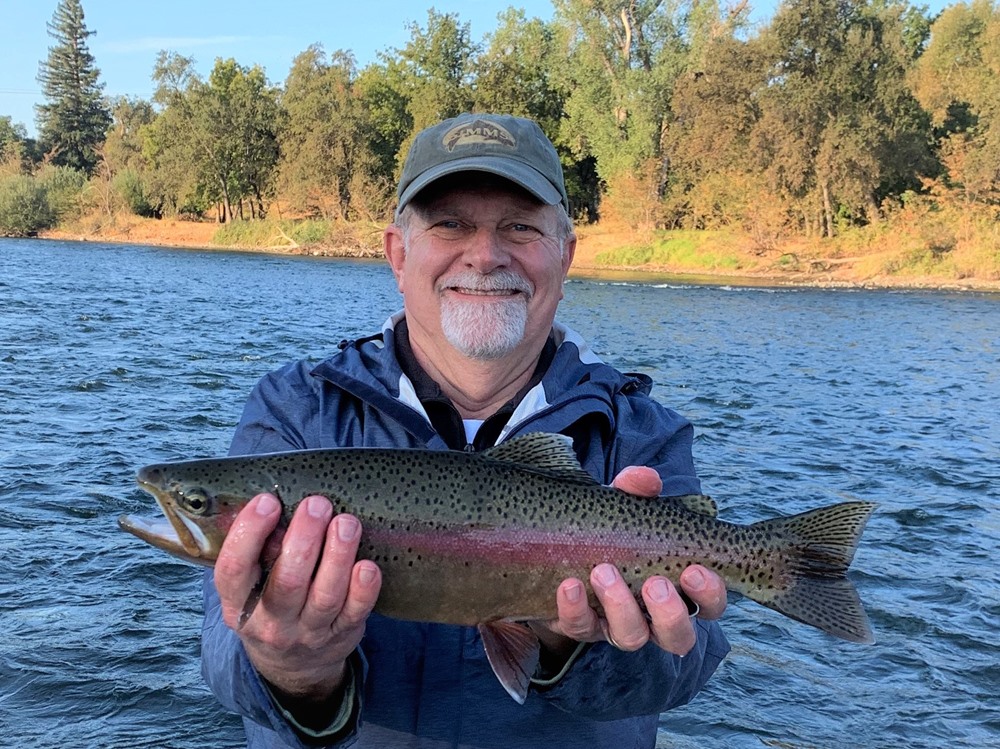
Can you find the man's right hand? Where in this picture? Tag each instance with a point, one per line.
(312, 612)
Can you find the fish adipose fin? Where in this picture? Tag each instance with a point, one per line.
(513, 651)
(542, 451)
(819, 547)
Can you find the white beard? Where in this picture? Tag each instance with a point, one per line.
(486, 327)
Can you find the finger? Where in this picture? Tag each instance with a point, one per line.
(288, 584)
(627, 627)
(639, 480)
(366, 582)
(705, 588)
(577, 620)
(237, 567)
(670, 624)
(333, 576)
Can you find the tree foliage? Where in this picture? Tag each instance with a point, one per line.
(665, 112)
(73, 120)
(215, 141)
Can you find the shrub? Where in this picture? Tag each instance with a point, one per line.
(64, 187)
(24, 207)
(131, 188)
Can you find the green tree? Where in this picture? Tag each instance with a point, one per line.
(73, 120)
(839, 128)
(13, 142)
(123, 166)
(323, 141)
(215, 141)
(623, 59)
(514, 71)
(955, 79)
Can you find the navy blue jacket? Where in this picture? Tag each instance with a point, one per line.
(429, 685)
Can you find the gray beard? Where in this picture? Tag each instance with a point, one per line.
(491, 327)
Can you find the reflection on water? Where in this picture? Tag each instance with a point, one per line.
(114, 357)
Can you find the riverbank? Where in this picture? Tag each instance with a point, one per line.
(793, 263)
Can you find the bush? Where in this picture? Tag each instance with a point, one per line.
(131, 188)
(25, 208)
(63, 186)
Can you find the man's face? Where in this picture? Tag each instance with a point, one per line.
(481, 265)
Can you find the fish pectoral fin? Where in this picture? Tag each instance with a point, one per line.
(513, 651)
(253, 598)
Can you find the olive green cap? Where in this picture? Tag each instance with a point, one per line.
(511, 147)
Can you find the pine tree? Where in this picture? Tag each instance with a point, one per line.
(73, 121)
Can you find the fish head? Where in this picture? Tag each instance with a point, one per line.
(198, 512)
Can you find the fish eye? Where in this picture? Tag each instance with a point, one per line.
(194, 501)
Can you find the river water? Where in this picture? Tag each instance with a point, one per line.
(112, 357)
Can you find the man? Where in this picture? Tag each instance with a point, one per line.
(480, 248)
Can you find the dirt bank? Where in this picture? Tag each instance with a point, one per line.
(593, 240)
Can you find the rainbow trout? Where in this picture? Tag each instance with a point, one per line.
(505, 526)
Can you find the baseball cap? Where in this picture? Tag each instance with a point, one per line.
(511, 147)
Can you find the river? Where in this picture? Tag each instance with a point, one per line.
(115, 356)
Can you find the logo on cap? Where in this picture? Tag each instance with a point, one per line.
(478, 132)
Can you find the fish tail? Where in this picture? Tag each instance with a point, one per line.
(817, 548)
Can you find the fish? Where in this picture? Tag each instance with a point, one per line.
(504, 526)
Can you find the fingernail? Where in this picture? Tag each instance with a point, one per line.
(366, 573)
(317, 507)
(347, 528)
(573, 592)
(658, 590)
(695, 580)
(266, 505)
(605, 574)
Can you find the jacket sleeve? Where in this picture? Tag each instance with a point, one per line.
(270, 423)
(605, 683)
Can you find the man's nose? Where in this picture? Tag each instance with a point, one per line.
(487, 251)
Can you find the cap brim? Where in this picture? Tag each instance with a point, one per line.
(517, 172)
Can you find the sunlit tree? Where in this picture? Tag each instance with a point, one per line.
(74, 118)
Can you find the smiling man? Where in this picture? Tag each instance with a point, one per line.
(480, 248)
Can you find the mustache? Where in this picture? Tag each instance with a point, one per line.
(500, 280)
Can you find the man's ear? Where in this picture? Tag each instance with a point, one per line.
(569, 250)
(395, 252)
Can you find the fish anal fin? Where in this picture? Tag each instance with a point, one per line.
(513, 651)
(698, 503)
(542, 451)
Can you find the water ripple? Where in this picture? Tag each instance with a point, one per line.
(799, 398)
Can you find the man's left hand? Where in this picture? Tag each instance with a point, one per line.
(625, 625)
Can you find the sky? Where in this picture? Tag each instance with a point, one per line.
(270, 34)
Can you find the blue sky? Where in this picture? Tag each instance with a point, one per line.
(131, 34)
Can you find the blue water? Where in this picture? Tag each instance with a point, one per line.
(112, 357)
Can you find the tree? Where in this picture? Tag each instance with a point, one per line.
(839, 128)
(215, 141)
(73, 121)
(323, 140)
(955, 79)
(623, 59)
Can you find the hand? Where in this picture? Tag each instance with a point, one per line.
(625, 626)
(312, 612)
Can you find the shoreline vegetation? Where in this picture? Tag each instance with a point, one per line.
(842, 143)
(605, 250)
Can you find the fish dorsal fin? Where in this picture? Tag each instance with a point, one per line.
(513, 651)
(542, 451)
(699, 503)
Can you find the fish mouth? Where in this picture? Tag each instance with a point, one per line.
(175, 534)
